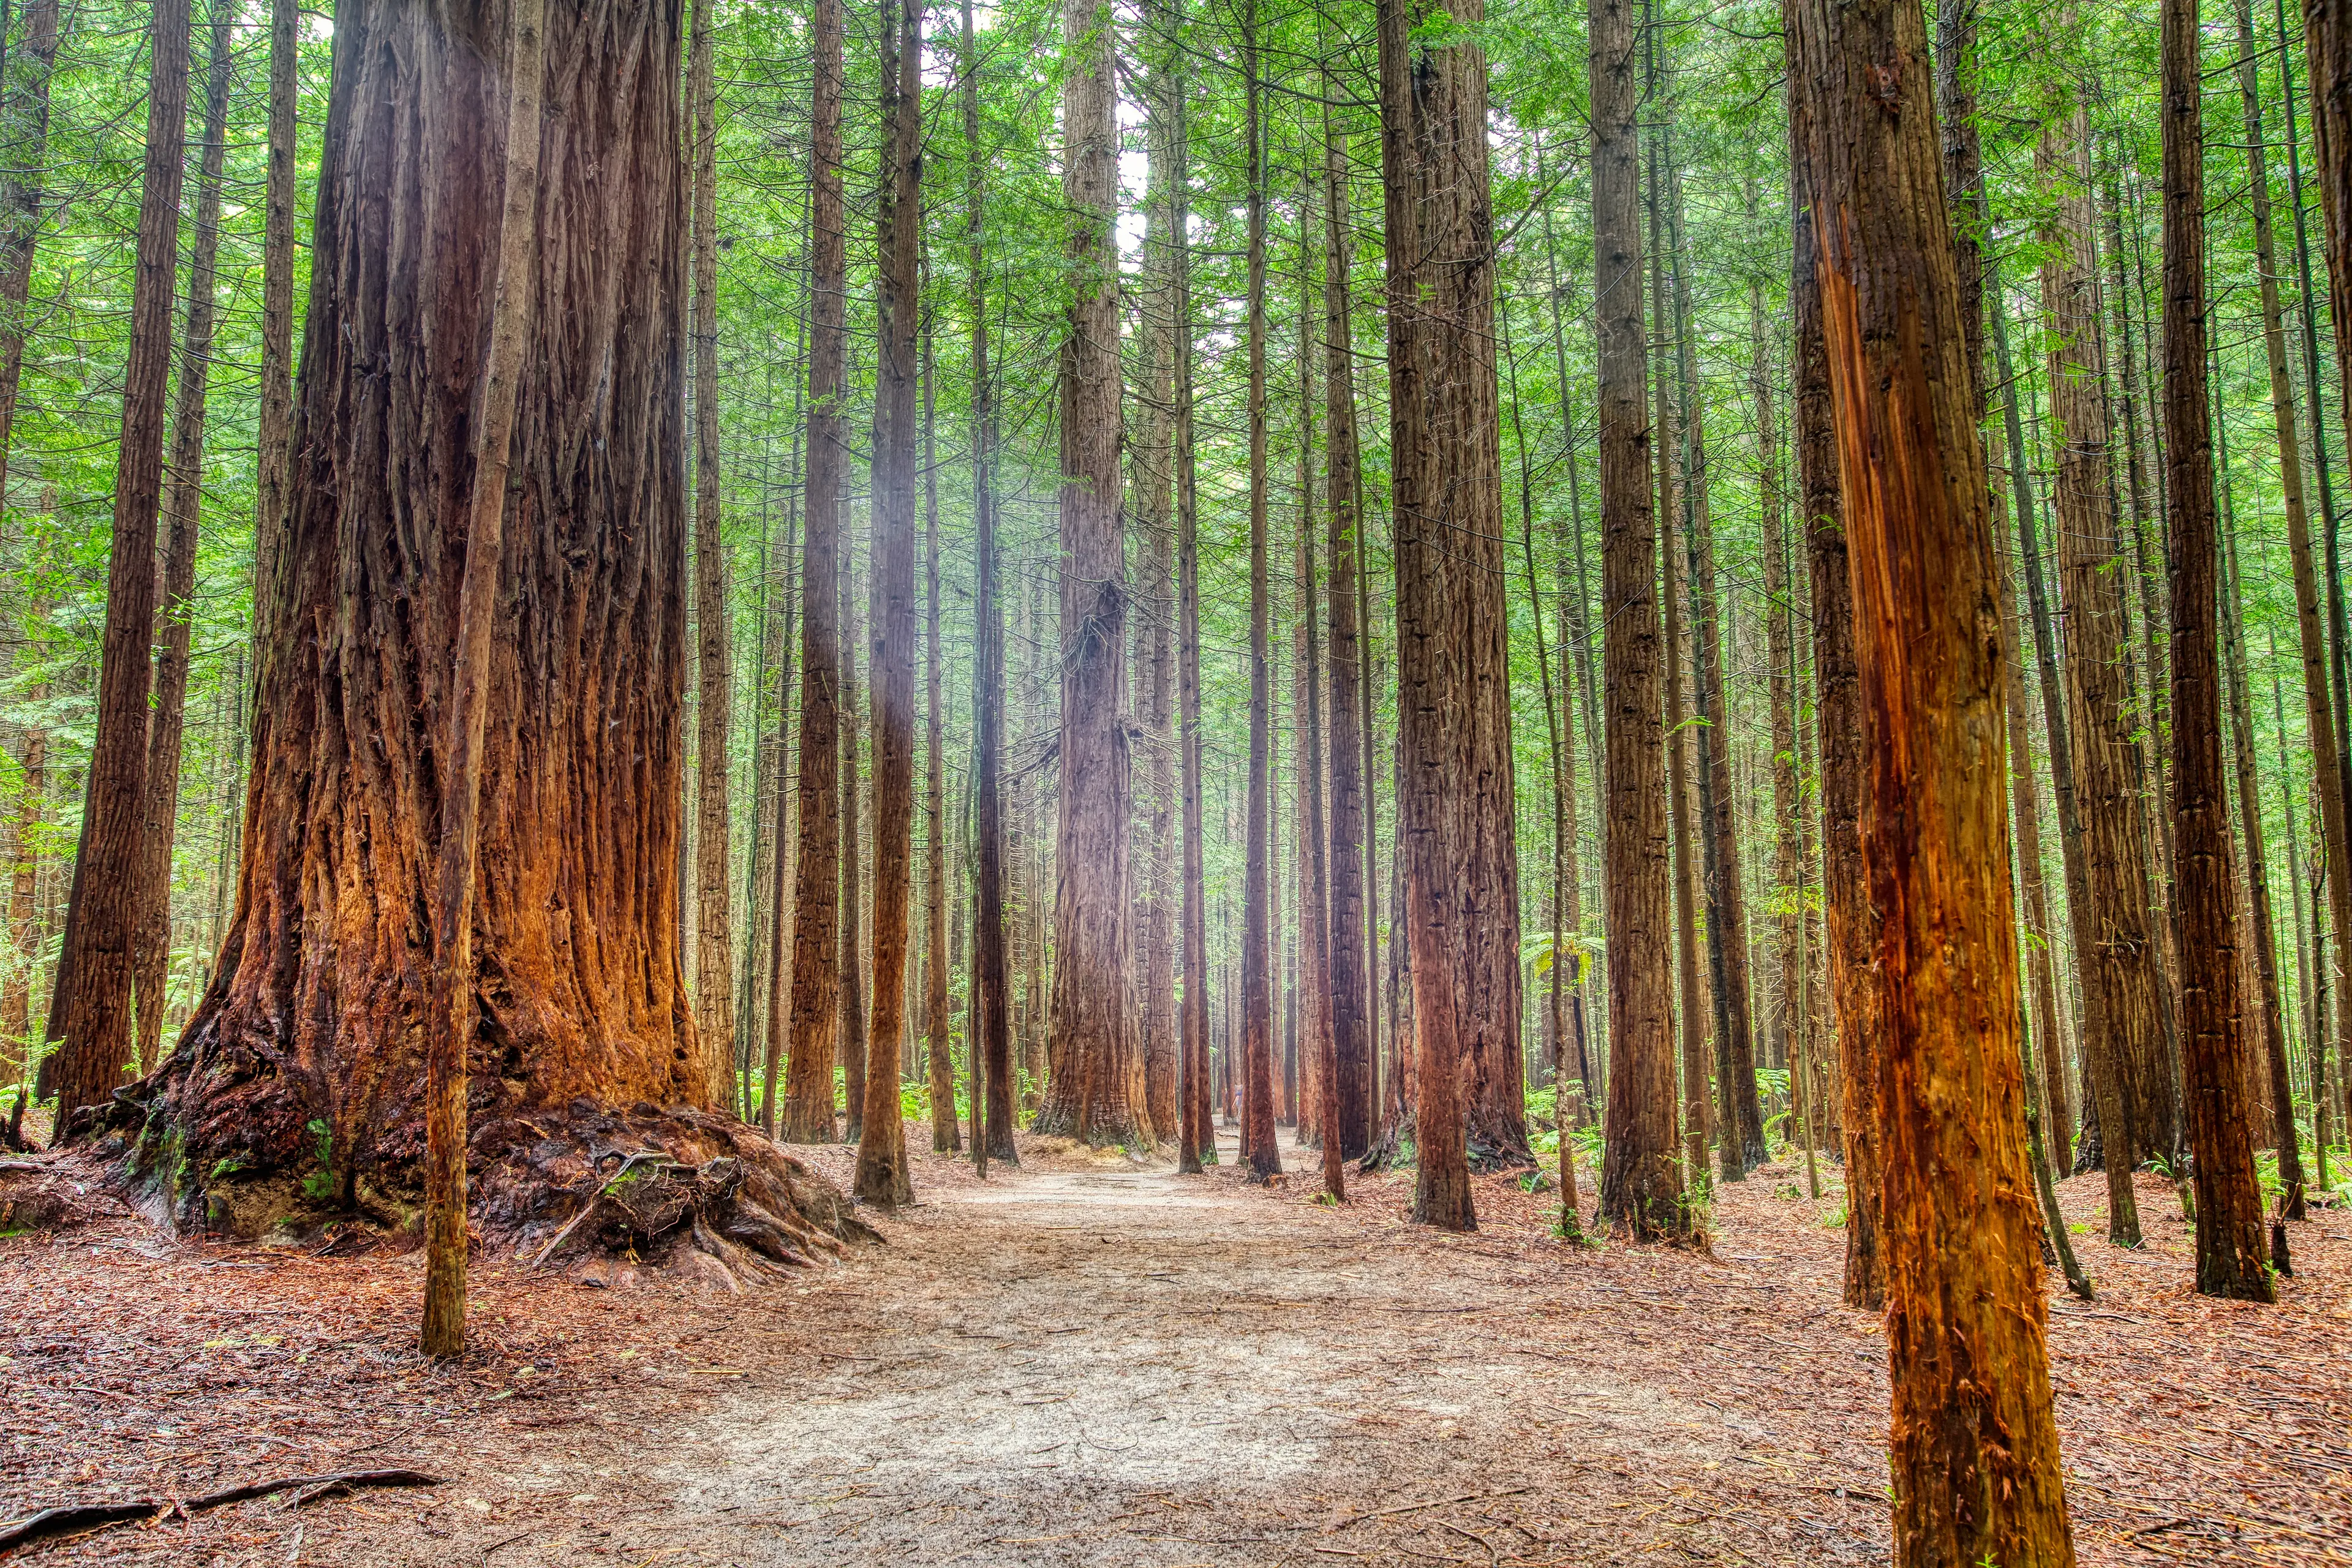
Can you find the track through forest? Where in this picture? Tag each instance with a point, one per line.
(1090, 1361)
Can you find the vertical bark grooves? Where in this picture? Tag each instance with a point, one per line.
(2115, 942)
(89, 1017)
(1974, 1446)
(946, 1136)
(816, 910)
(2232, 1255)
(1197, 1136)
(882, 1177)
(1356, 1111)
(1089, 1092)
(1642, 1172)
(20, 201)
(1155, 646)
(1258, 1133)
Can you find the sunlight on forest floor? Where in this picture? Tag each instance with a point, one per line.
(1092, 1361)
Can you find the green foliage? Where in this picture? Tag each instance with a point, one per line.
(320, 1183)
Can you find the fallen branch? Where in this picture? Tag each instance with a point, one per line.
(74, 1519)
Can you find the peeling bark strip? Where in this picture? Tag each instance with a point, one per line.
(1974, 1447)
(298, 1093)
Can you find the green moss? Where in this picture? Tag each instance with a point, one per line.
(320, 1183)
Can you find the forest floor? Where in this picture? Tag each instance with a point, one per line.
(1091, 1360)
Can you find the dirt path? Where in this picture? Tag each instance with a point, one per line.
(1093, 1362)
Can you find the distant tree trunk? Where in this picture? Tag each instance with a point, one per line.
(89, 1017)
(1641, 1174)
(1461, 875)
(2232, 1257)
(1352, 1036)
(1851, 922)
(945, 1137)
(273, 473)
(1197, 1139)
(991, 1019)
(20, 198)
(182, 502)
(1975, 1449)
(1779, 633)
(849, 956)
(2115, 942)
(1314, 986)
(714, 961)
(882, 1174)
(1257, 1145)
(779, 859)
(1155, 648)
(816, 910)
(2290, 491)
(1717, 829)
(2327, 33)
(1092, 1092)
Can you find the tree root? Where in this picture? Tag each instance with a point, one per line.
(52, 1192)
(80, 1519)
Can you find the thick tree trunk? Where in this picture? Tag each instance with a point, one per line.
(182, 501)
(714, 963)
(1974, 1446)
(816, 908)
(1461, 879)
(1352, 1033)
(90, 1016)
(849, 956)
(1092, 1092)
(1156, 891)
(298, 1093)
(1642, 1171)
(882, 1174)
(2232, 1257)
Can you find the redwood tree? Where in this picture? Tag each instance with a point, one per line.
(296, 1094)
(1974, 1444)
(2231, 1259)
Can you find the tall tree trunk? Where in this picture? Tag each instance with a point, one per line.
(183, 500)
(991, 1017)
(945, 1125)
(1461, 894)
(1352, 1032)
(2290, 451)
(2328, 31)
(1779, 630)
(779, 859)
(882, 1174)
(850, 955)
(2232, 1258)
(1640, 1172)
(1198, 1136)
(89, 1017)
(450, 1036)
(714, 963)
(1257, 1146)
(27, 122)
(1975, 1449)
(1317, 1110)
(1155, 647)
(816, 908)
(273, 475)
(2115, 939)
(1091, 1091)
